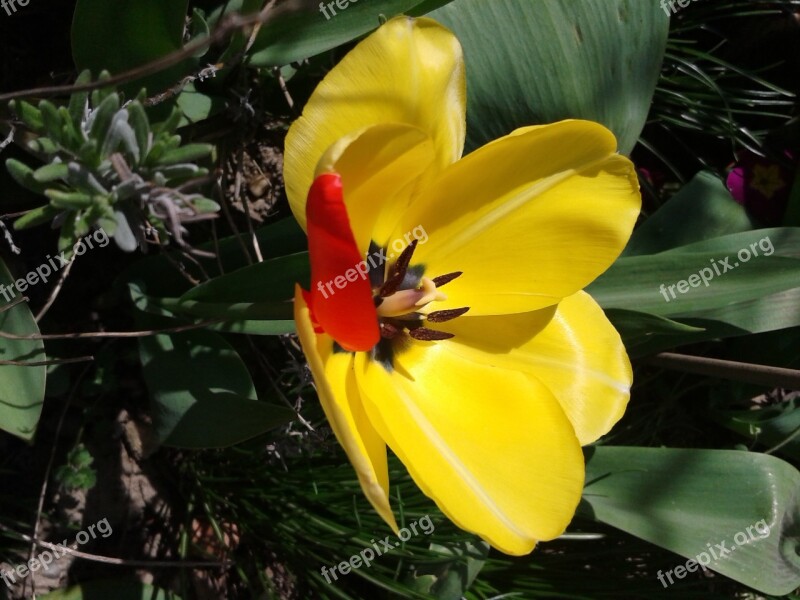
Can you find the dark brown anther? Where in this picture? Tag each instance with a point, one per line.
(443, 279)
(398, 271)
(429, 335)
(440, 316)
(389, 331)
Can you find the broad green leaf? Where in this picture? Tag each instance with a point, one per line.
(197, 106)
(21, 387)
(158, 276)
(203, 396)
(639, 330)
(118, 36)
(116, 589)
(236, 317)
(299, 30)
(271, 281)
(701, 210)
(687, 500)
(725, 271)
(539, 61)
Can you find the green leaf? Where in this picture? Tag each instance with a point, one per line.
(197, 106)
(118, 36)
(30, 115)
(543, 61)
(119, 590)
(701, 210)
(23, 175)
(296, 30)
(37, 216)
(635, 282)
(638, 330)
(102, 117)
(271, 281)
(78, 101)
(21, 387)
(203, 396)
(688, 500)
(449, 581)
(187, 153)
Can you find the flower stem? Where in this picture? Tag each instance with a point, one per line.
(727, 369)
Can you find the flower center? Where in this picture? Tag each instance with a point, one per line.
(403, 299)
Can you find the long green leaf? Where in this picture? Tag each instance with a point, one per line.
(300, 30)
(203, 396)
(21, 387)
(539, 61)
(701, 210)
(688, 500)
(117, 36)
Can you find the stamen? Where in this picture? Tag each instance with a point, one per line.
(389, 331)
(406, 301)
(429, 335)
(399, 270)
(443, 279)
(441, 316)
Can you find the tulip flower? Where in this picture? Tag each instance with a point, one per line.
(470, 351)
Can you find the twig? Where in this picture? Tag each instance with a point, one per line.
(13, 303)
(50, 461)
(9, 239)
(45, 363)
(727, 369)
(231, 23)
(118, 561)
(237, 196)
(62, 277)
(109, 334)
(231, 222)
(8, 140)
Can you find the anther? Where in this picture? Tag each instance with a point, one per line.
(424, 334)
(398, 270)
(440, 316)
(443, 279)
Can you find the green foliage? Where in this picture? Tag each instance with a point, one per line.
(77, 473)
(690, 500)
(107, 166)
(118, 36)
(537, 62)
(21, 386)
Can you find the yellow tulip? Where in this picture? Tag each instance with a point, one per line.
(472, 352)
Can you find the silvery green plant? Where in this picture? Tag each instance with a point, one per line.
(107, 166)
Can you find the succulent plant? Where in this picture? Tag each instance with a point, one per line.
(106, 165)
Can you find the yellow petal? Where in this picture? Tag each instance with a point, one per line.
(529, 219)
(409, 71)
(381, 167)
(491, 447)
(572, 348)
(341, 401)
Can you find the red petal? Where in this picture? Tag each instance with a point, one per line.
(345, 311)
